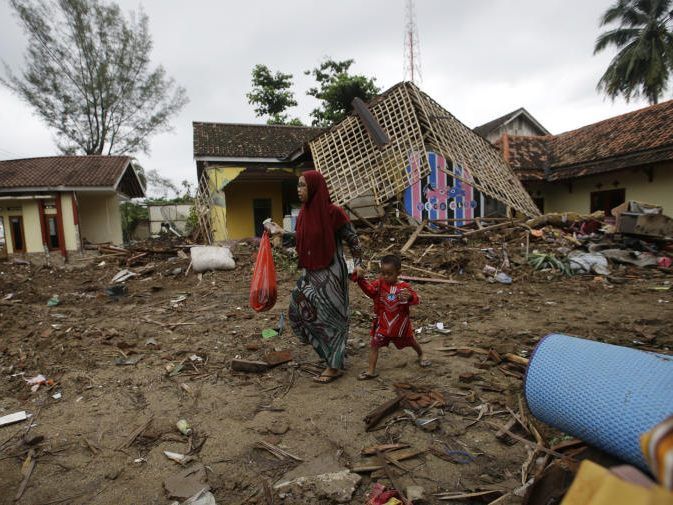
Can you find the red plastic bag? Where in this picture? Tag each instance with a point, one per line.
(263, 289)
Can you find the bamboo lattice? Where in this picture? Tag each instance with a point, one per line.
(353, 165)
(208, 221)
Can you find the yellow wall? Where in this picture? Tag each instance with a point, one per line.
(240, 217)
(30, 212)
(219, 178)
(69, 229)
(558, 198)
(99, 217)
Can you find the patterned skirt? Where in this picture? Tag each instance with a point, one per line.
(319, 311)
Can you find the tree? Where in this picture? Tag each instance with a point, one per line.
(337, 89)
(271, 95)
(87, 75)
(644, 38)
(160, 187)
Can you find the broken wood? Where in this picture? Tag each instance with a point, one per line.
(397, 456)
(516, 359)
(244, 365)
(413, 237)
(26, 470)
(476, 350)
(427, 250)
(439, 235)
(494, 227)
(393, 482)
(361, 217)
(371, 451)
(278, 358)
(424, 270)
(373, 418)
(428, 279)
(135, 434)
(501, 434)
(277, 451)
(465, 496)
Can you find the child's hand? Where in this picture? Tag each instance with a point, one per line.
(359, 273)
(404, 295)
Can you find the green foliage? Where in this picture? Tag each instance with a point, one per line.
(87, 75)
(644, 38)
(132, 213)
(192, 221)
(542, 261)
(336, 89)
(271, 95)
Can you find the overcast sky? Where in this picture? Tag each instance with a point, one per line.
(480, 60)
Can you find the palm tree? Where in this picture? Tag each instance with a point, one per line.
(644, 38)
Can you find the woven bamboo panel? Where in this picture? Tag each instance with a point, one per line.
(490, 174)
(353, 165)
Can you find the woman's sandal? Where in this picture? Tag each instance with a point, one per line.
(326, 379)
(424, 363)
(363, 376)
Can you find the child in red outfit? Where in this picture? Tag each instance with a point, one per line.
(392, 299)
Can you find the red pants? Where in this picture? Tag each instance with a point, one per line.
(379, 341)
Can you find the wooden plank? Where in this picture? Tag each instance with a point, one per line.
(439, 235)
(413, 237)
(244, 365)
(429, 279)
(516, 359)
(494, 227)
(397, 456)
(373, 418)
(371, 451)
(424, 270)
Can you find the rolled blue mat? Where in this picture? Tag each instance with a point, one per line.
(606, 395)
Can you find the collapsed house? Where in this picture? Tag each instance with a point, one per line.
(386, 148)
(402, 144)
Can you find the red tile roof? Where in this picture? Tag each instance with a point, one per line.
(63, 172)
(528, 156)
(636, 138)
(229, 140)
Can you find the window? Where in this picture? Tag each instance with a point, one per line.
(607, 200)
(539, 203)
(52, 232)
(261, 210)
(16, 226)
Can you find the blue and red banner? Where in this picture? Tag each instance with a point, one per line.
(441, 196)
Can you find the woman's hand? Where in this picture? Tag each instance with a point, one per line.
(273, 228)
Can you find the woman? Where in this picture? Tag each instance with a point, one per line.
(319, 309)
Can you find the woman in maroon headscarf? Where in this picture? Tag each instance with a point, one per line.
(319, 310)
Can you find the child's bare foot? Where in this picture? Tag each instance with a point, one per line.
(366, 375)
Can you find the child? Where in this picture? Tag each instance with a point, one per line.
(392, 299)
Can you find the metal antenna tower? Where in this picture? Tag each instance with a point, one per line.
(412, 50)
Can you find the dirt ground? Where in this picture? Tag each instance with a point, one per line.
(172, 320)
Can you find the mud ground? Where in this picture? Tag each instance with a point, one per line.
(197, 325)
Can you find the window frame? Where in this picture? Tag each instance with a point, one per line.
(23, 234)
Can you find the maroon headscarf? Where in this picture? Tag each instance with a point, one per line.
(317, 223)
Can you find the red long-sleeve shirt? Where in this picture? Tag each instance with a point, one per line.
(392, 315)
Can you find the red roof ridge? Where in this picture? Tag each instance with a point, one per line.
(71, 156)
(257, 125)
(619, 117)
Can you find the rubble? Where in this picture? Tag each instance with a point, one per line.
(337, 487)
(185, 330)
